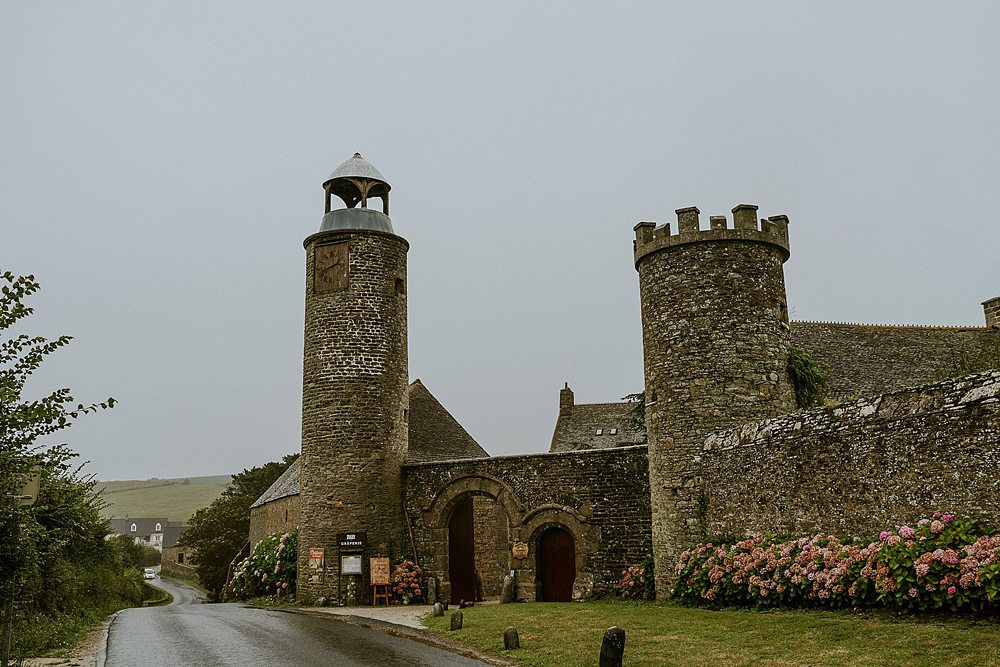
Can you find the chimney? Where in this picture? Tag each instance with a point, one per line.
(565, 401)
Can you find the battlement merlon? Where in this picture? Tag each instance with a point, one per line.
(773, 230)
(991, 308)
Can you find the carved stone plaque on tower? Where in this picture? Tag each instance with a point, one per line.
(331, 267)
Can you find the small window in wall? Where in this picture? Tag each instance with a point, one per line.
(400, 286)
(286, 516)
(180, 557)
(613, 431)
(158, 528)
(600, 431)
(133, 528)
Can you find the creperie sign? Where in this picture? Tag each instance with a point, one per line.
(352, 541)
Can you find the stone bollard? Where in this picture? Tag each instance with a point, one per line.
(438, 609)
(613, 647)
(444, 601)
(456, 620)
(507, 592)
(511, 641)
(432, 590)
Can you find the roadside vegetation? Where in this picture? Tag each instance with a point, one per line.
(670, 634)
(57, 566)
(220, 533)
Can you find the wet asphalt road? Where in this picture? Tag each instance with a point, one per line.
(188, 633)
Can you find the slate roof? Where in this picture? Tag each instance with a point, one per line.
(577, 429)
(144, 526)
(286, 485)
(172, 532)
(434, 434)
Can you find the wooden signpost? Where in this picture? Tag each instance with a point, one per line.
(380, 579)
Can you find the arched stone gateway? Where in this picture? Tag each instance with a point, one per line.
(471, 519)
(475, 522)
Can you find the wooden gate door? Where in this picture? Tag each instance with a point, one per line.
(462, 552)
(556, 565)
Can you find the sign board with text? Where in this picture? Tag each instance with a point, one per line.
(315, 572)
(350, 564)
(380, 571)
(348, 542)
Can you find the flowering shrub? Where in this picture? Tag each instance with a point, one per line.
(407, 583)
(943, 562)
(269, 570)
(636, 582)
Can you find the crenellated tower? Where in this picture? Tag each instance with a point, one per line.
(715, 349)
(354, 379)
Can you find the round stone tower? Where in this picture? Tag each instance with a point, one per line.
(354, 378)
(715, 350)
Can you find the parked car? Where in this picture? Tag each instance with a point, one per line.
(149, 573)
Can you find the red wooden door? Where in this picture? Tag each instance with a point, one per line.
(556, 566)
(462, 552)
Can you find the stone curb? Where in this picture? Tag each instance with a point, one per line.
(423, 636)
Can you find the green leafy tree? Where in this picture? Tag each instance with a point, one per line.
(56, 564)
(26, 424)
(220, 532)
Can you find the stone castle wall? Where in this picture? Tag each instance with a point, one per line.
(600, 496)
(861, 467)
(866, 360)
(353, 400)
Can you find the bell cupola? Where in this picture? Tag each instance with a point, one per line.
(355, 182)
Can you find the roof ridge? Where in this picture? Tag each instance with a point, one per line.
(932, 327)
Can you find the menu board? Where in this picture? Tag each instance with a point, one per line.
(380, 571)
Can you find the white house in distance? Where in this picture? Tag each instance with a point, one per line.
(156, 532)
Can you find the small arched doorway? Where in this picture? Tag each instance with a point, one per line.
(462, 551)
(556, 562)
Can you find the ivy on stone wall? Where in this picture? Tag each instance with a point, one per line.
(966, 361)
(636, 418)
(808, 377)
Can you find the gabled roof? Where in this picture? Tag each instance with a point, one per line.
(286, 485)
(578, 428)
(171, 533)
(144, 526)
(433, 433)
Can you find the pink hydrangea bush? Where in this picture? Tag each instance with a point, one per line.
(408, 581)
(269, 570)
(636, 582)
(943, 562)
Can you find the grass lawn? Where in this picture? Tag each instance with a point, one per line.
(657, 634)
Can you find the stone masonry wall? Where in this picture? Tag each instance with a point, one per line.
(492, 540)
(353, 404)
(865, 360)
(171, 565)
(861, 467)
(600, 496)
(279, 515)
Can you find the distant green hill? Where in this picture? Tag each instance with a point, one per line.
(175, 499)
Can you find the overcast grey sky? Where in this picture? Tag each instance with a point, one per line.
(162, 164)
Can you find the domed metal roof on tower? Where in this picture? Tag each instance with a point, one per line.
(357, 167)
(355, 182)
